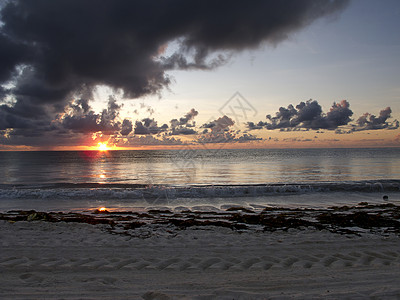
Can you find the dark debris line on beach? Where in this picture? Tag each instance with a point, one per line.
(343, 220)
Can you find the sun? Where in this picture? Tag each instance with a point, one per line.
(102, 147)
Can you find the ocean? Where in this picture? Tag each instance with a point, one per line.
(208, 179)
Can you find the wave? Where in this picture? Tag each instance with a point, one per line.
(139, 191)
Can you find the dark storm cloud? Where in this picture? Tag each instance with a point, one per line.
(53, 50)
(11, 53)
(306, 115)
(179, 61)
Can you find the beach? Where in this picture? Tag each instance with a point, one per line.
(106, 255)
(145, 225)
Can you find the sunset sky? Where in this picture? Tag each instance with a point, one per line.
(199, 74)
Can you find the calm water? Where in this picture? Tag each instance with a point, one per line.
(200, 167)
(180, 177)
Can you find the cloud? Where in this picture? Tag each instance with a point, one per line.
(220, 124)
(338, 115)
(80, 118)
(253, 126)
(309, 115)
(188, 117)
(147, 132)
(147, 140)
(148, 126)
(306, 115)
(247, 137)
(221, 133)
(179, 61)
(54, 51)
(217, 131)
(182, 126)
(126, 127)
(297, 139)
(183, 131)
(216, 138)
(74, 126)
(370, 122)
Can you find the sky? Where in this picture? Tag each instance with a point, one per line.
(199, 74)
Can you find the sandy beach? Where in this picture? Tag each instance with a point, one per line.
(74, 260)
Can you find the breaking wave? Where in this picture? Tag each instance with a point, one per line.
(139, 192)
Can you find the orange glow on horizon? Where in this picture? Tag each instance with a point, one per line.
(92, 149)
(101, 210)
(102, 146)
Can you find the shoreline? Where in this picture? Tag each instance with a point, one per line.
(279, 253)
(364, 217)
(81, 261)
